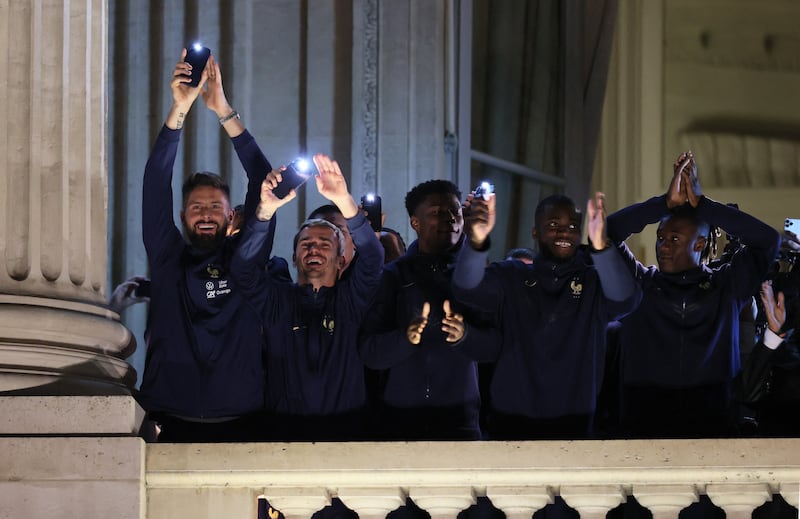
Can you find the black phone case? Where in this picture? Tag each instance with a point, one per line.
(373, 210)
(197, 59)
(291, 179)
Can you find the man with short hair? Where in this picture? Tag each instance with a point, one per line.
(680, 348)
(315, 378)
(427, 345)
(553, 317)
(203, 378)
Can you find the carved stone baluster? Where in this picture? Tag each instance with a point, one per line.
(593, 501)
(297, 502)
(665, 501)
(520, 502)
(739, 500)
(372, 503)
(791, 493)
(443, 502)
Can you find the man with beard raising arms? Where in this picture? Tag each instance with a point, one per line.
(553, 316)
(203, 378)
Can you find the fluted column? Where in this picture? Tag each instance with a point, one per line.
(56, 337)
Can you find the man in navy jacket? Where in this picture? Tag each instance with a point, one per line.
(680, 348)
(315, 378)
(553, 316)
(427, 344)
(204, 376)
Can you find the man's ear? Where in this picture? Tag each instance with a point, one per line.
(534, 234)
(294, 260)
(700, 244)
(415, 223)
(183, 217)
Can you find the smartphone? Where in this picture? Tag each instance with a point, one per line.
(372, 205)
(483, 190)
(143, 290)
(295, 175)
(197, 56)
(792, 225)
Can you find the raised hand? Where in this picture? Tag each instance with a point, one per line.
(183, 95)
(775, 308)
(692, 184)
(418, 324)
(596, 221)
(676, 193)
(269, 203)
(479, 218)
(332, 185)
(213, 93)
(452, 324)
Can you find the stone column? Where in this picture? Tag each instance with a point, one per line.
(56, 336)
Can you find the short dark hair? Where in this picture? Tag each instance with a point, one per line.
(437, 186)
(204, 178)
(551, 201)
(319, 222)
(323, 210)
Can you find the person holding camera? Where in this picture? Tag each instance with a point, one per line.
(680, 348)
(553, 316)
(203, 378)
(315, 378)
(425, 344)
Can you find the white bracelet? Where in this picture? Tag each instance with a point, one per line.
(228, 117)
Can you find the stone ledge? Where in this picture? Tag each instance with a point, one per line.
(70, 415)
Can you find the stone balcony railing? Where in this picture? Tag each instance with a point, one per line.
(443, 478)
(80, 457)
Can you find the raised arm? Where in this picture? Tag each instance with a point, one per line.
(158, 226)
(249, 259)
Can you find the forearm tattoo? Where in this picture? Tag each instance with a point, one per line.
(181, 115)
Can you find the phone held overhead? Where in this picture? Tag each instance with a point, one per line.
(197, 56)
(295, 175)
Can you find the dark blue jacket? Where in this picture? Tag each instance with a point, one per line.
(685, 332)
(313, 367)
(204, 355)
(553, 320)
(432, 386)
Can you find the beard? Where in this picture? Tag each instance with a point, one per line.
(206, 241)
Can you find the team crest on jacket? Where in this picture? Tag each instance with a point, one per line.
(576, 287)
(328, 323)
(212, 271)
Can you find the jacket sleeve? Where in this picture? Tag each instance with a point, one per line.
(158, 225)
(618, 280)
(248, 263)
(363, 281)
(473, 283)
(749, 265)
(634, 218)
(255, 165)
(750, 385)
